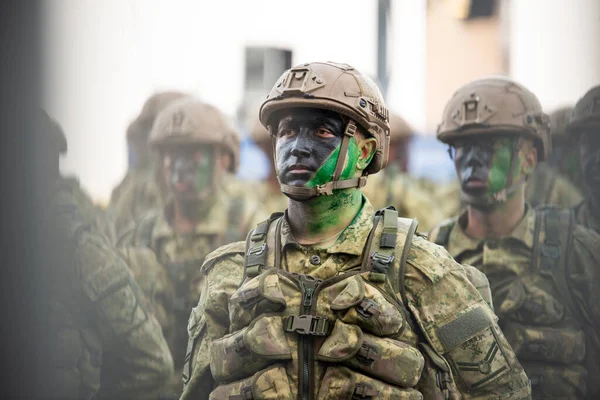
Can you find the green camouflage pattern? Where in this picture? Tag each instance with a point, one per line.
(438, 293)
(585, 217)
(343, 383)
(391, 187)
(106, 342)
(541, 329)
(270, 384)
(546, 186)
(170, 276)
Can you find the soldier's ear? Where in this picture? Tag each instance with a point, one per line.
(530, 158)
(367, 148)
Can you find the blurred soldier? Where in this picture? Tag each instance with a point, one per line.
(139, 192)
(543, 268)
(333, 300)
(546, 185)
(396, 188)
(584, 129)
(198, 149)
(271, 197)
(101, 341)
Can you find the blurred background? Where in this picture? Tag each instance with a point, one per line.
(105, 57)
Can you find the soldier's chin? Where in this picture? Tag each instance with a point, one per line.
(483, 202)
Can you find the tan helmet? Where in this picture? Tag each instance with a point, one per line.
(191, 121)
(489, 105)
(400, 129)
(559, 119)
(586, 113)
(141, 126)
(342, 89)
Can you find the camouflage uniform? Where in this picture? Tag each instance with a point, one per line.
(544, 275)
(104, 342)
(171, 281)
(392, 187)
(382, 313)
(139, 192)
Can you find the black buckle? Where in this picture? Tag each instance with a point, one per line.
(367, 308)
(257, 251)
(308, 325)
(381, 262)
(366, 355)
(363, 391)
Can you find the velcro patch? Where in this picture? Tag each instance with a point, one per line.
(463, 328)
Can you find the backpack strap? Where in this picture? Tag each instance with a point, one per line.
(443, 235)
(144, 230)
(255, 257)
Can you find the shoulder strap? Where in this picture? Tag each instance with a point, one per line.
(256, 246)
(443, 235)
(144, 229)
(551, 255)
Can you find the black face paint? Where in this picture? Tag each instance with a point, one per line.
(473, 162)
(188, 172)
(590, 162)
(306, 138)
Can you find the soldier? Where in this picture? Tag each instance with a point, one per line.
(271, 197)
(198, 149)
(394, 187)
(584, 129)
(547, 185)
(139, 192)
(332, 300)
(542, 267)
(101, 340)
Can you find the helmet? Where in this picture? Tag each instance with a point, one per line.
(142, 125)
(400, 129)
(559, 119)
(342, 89)
(55, 133)
(490, 104)
(191, 121)
(586, 112)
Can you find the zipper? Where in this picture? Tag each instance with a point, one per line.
(308, 287)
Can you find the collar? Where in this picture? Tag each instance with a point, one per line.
(351, 240)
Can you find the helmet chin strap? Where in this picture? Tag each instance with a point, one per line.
(305, 193)
(489, 201)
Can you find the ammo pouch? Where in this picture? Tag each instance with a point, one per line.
(343, 383)
(268, 384)
(545, 344)
(249, 350)
(390, 360)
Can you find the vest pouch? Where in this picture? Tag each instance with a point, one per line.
(268, 384)
(390, 360)
(343, 383)
(539, 307)
(545, 344)
(357, 302)
(262, 294)
(249, 350)
(557, 382)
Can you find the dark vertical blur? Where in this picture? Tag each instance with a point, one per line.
(383, 15)
(20, 83)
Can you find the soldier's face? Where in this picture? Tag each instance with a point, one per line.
(590, 161)
(189, 172)
(307, 145)
(483, 165)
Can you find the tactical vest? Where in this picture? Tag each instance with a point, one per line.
(544, 326)
(346, 337)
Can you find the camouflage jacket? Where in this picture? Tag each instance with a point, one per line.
(546, 186)
(104, 343)
(171, 284)
(392, 187)
(586, 218)
(454, 326)
(546, 295)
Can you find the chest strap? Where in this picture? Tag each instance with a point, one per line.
(256, 246)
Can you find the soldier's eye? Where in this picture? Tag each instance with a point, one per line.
(286, 132)
(323, 132)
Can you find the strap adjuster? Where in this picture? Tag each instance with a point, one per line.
(381, 262)
(363, 391)
(325, 189)
(308, 325)
(256, 251)
(367, 308)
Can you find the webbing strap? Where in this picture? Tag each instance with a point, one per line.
(256, 247)
(443, 235)
(326, 188)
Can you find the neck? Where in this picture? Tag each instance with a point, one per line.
(323, 218)
(187, 214)
(498, 222)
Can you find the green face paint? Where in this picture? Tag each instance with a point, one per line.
(500, 167)
(204, 168)
(325, 172)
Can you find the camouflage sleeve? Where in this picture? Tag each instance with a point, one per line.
(136, 360)
(460, 327)
(583, 272)
(209, 320)
(414, 202)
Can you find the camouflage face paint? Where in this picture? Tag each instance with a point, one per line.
(189, 172)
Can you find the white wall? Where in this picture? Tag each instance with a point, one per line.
(555, 48)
